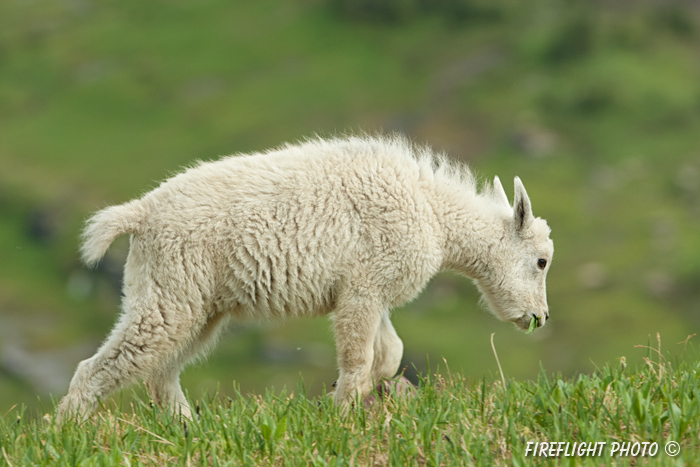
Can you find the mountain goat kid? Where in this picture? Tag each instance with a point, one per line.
(352, 227)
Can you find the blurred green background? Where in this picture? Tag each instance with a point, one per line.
(595, 105)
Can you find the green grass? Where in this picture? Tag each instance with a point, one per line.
(448, 421)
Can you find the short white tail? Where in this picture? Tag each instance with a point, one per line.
(108, 224)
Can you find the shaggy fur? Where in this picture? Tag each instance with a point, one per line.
(351, 226)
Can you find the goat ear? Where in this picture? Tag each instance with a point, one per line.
(522, 209)
(499, 194)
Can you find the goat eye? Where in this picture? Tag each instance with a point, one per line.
(541, 263)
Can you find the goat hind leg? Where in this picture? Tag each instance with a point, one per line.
(163, 384)
(135, 348)
(164, 388)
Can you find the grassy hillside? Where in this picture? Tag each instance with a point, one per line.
(447, 421)
(596, 107)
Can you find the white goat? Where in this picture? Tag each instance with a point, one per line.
(351, 226)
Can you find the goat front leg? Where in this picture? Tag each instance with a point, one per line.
(388, 350)
(355, 323)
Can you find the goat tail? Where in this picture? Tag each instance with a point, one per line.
(109, 223)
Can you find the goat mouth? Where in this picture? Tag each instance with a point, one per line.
(525, 322)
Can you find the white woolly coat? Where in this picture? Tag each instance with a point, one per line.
(282, 233)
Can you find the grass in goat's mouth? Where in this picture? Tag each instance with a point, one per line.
(533, 325)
